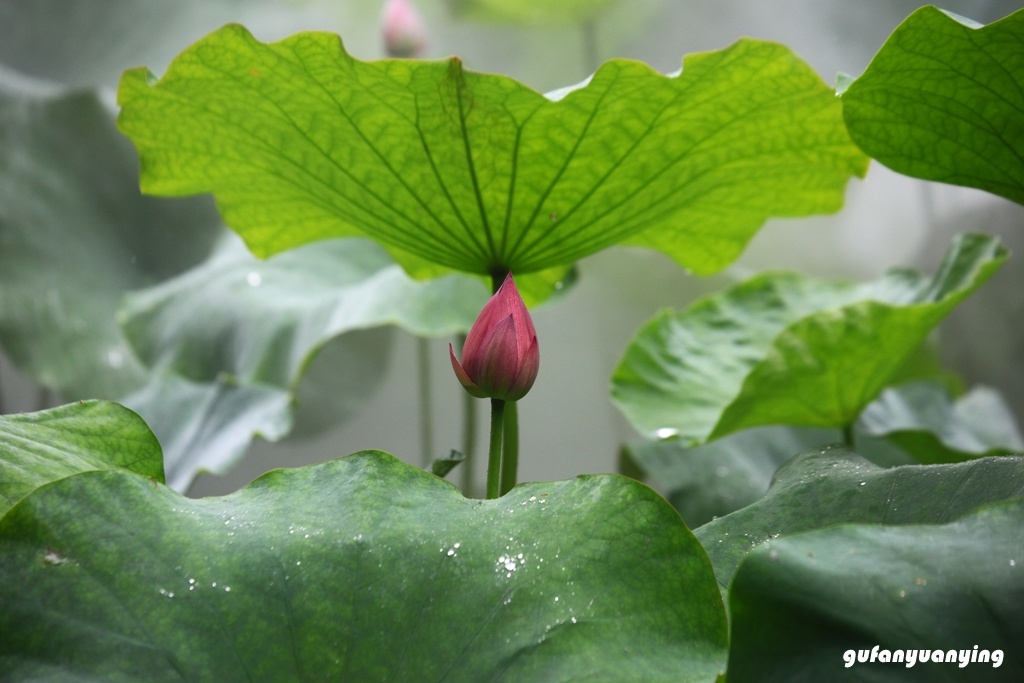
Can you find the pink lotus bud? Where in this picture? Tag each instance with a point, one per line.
(500, 357)
(404, 35)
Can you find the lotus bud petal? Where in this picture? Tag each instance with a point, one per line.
(404, 34)
(500, 358)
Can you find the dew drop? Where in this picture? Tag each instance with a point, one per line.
(254, 279)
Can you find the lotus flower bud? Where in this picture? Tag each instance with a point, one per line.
(500, 357)
(404, 35)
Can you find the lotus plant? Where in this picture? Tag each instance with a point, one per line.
(500, 359)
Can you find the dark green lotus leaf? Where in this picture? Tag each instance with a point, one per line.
(799, 603)
(451, 169)
(944, 100)
(786, 349)
(833, 486)
(922, 419)
(37, 448)
(359, 569)
(710, 481)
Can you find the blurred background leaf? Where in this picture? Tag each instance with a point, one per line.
(537, 12)
(70, 213)
(231, 339)
(922, 419)
(785, 349)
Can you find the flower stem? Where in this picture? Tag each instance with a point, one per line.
(848, 435)
(426, 414)
(510, 454)
(494, 455)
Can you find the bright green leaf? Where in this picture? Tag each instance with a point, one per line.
(924, 421)
(787, 349)
(37, 448)
(452, 169)
(359, 569)
(228, 366)
(944, 100)
(833, 486)
(799, 603)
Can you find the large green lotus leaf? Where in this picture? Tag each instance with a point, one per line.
(710, 481)
(71, 230)
(37, 448)
(230, 365)
(822, 488)
(798, 604)
(532, 12)
(359, 569)
(923, 420)
(452, 169)
(782, 348)
(943, 100)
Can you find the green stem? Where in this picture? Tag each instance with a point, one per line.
(426, 415)
(848, 435)
(510, 456)
(494, 454)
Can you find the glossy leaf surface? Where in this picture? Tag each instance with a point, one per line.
(362, 568)
(801, 602)
(823, 488)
